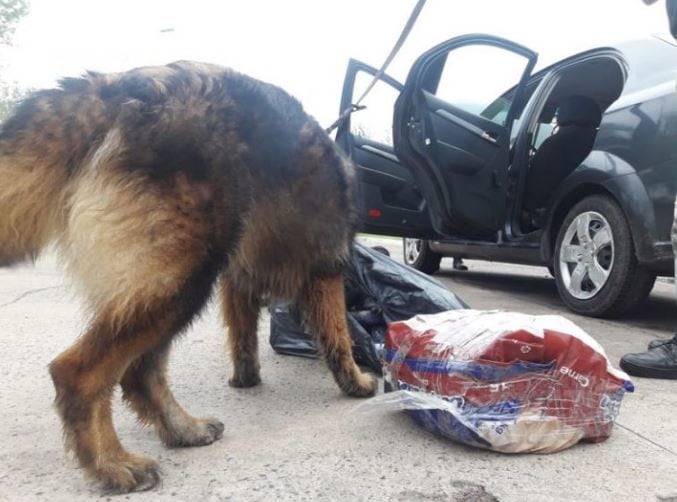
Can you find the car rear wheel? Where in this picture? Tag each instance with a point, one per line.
(417, 254)
(596, 269)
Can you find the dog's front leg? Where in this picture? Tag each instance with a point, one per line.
(241, 314)
(323, 303)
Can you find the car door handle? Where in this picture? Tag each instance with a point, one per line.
(490, 137)
(485, 135)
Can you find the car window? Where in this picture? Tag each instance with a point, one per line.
(375, 122)
(498, 110)
(475, 77)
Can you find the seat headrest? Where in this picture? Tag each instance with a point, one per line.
(578, 111)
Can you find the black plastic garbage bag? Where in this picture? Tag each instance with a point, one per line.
(379, 290)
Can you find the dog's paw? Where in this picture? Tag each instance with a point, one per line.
(197, 432)
(131, 473)
(360, 385)
(244, 380)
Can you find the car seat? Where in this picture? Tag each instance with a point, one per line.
(578, 118)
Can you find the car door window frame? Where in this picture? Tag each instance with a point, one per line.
(412, 136)
(431, 71)
(344, 136)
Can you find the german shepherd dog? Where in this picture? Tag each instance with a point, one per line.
(154, 185)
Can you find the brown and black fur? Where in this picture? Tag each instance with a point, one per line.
(156, 184)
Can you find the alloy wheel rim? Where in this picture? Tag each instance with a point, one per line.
(586, 255)
(412, 250)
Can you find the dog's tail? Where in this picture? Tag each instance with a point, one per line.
(40, 144)
(31, 211)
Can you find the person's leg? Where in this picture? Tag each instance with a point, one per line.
(671, 6)
(674, 243)
(459, 265)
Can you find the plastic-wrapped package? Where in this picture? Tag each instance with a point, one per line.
(378, 290)
(504, 381)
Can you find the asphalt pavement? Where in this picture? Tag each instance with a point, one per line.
(296, 437)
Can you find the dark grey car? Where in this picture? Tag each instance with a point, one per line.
(573, 168)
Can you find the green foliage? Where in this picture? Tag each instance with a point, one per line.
(11, 11)
(10, 95)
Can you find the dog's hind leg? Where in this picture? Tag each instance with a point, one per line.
(241, 314)
(144, 258)
(145, 388)
(323, 303)
(131, 348)
(84, 377)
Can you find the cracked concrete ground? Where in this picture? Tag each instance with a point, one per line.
(297, 438)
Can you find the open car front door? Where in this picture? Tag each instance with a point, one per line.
(452, 128)
(389, 200)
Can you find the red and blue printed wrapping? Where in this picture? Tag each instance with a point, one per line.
(503, 381)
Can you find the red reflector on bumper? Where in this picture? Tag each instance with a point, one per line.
(375, 213)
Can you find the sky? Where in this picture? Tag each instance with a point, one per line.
(300, 45)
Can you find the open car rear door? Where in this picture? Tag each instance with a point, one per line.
(389, 200)
(459, 151)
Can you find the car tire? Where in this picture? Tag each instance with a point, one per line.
(417, 254)
(596, 270)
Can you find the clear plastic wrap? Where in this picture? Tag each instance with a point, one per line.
(504, 381)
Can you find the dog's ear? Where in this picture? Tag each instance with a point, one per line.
(146, 89)
(74, 84)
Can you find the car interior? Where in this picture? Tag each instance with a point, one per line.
(573, 135)
(558, 141)
(566, 130)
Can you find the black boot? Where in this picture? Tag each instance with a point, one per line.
(660, 361)
(657, 343)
